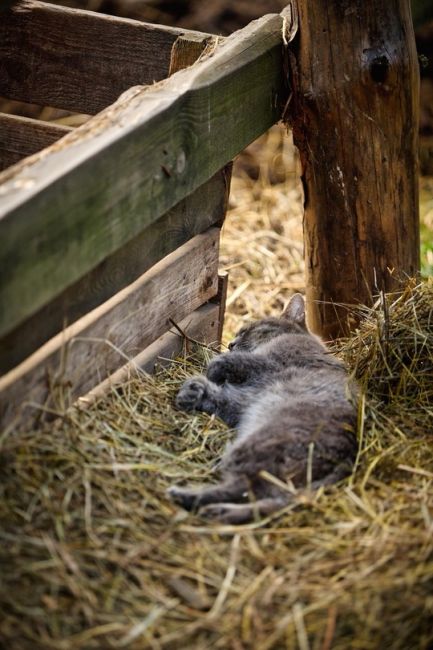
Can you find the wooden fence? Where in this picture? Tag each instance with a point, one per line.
(111, 233)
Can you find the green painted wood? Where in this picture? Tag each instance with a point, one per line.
(101, 185)
(193, 215)
(79, 60)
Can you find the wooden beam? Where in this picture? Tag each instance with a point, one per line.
(22, 136)
(79, 358)
(196, 213)
(79, 60)
(355, 122)
(104, 183)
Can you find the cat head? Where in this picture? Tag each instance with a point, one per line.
(291, 321)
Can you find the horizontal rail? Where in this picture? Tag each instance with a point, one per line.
(76, 360)
(79, 60)
(100, 186)
(22, 136)
(193, 215)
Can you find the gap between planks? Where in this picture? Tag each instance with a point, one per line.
(23, 136)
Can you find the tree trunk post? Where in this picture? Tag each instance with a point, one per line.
(354, 116)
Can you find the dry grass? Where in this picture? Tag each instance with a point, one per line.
(93, 555)
(262, 239)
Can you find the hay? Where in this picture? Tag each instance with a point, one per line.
(94, 555)
(262, 246)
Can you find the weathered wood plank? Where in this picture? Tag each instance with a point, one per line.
(202, 326)
(105, 182)
(193, 215)
(22, 136)
(79, 358)
(79, 60)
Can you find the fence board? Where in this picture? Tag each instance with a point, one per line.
(193, 215)
(79, 60)
(202, 326)
(82, 356)
(105, 182)
(23, 136)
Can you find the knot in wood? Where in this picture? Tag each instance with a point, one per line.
(379, 68)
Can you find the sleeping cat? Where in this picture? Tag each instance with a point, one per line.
(295, 412)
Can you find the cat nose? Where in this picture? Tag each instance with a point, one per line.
(231, 345)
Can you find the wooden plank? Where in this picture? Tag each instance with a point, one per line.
(79, 358)
(193, 215)
(202, 326)
(22, 136)
(79, 60)
(104, 183)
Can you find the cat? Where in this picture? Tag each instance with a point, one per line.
(294, 408)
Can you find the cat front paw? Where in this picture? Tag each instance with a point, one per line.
(184, 497)
(190, 396)
(225, 368)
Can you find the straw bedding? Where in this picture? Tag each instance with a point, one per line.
(93, 554)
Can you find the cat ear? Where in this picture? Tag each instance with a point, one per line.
(295, 310)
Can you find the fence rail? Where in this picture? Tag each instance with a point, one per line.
(79, 60)
(101, 185)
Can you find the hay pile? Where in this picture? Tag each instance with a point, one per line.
(93, 555)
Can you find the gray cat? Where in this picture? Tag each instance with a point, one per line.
(295, 411)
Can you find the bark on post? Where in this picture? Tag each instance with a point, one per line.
(355, 122)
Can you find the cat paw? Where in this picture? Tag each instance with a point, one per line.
(190, 396)
(183, 497)
(225, 368)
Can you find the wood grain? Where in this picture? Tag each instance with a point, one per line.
(22, 136)
(187, 49)
(83, 355)
(193, 215)
(79, 60)
(355, 121)
(100, 186)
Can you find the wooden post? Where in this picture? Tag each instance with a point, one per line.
(355, 122)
